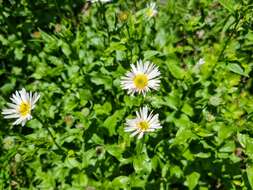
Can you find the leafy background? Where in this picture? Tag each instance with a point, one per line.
(74, 53)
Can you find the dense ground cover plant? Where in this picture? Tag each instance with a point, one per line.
(75, 53)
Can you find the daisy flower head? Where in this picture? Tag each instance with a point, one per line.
(101, 1)
(143, 77)
(21, 106)
(144, 122)
(200, 62)
(151, 10)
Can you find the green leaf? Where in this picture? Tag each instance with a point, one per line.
(183, 134)
(192, 180)
(103, 109)
(116, 46)
(242, 139)
(87, 159)
(116, 151)
(71, 162)
(249, 147)
(172, 100)
(80, 180)
(215, 100)
(228, 147)
(187, 109)
(176, 171)
(228, 4)
(120, 181)
(6, 88)
(200, 131)
(175, 70)
(249, 171)
(225, 132)
(203, 155)
(142, 164)
(236, 69)
(150, 53)
(111, 122)
(19, 53)
(100, 79)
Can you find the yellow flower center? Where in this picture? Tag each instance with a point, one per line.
(150, 12)
(24, 109)
(141, 81)
(123, 16)
(143, 125)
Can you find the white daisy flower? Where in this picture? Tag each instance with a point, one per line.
(21, 106)
(8, 142)
(198, 65)
(102, 1)
(200, 62)
(144, 122)
(151, 10)
(141, 78)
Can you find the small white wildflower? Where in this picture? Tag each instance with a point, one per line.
(8, 142)
(197, 66)
(18, 157)
(141, 78)
(151, 10)
(200, 62)
(102, 1)
(22, 105)
(144, 122)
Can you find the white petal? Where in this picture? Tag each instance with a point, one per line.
(150, 130)
(12, 116)
(134, 69)
(9, 111)
(13, 106)
(154, 74)
(131, 122)
(23, 95)
(16, 98)
(135, 133)
(129, 129)
(18, 121)
(150, 116)
(140, 135)
(144, 113)
(138, 114)
(35, 98)
(154, 119)
(23, 122)
(158, 126)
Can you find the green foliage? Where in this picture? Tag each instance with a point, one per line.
(74, 53)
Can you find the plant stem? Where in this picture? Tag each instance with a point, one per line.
(228, 39)
(129, 36)
(50, 133)
(105, 23)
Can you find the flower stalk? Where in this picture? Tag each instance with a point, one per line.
(49, 132)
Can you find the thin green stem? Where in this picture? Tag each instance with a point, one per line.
(50, 133)
(135, 5)
(238, 19)
(105, 23)
(129, 36)
(139, 146)
(57, 7)
(107, 28)
(228, 39)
